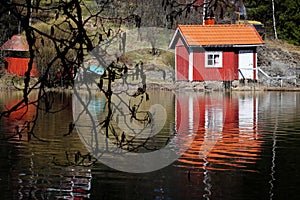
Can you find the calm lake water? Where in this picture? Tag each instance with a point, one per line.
(245, 146)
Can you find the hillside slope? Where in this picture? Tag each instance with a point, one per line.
(279, 59)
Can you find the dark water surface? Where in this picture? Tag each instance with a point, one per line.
(246, 146)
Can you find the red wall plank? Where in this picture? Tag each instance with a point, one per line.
(182, 63)
(19, 66)
(198, 62)
(228, 72)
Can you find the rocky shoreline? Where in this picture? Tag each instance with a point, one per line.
(211, 86)
(12, 83)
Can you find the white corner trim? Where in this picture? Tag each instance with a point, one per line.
(176, 68)
(173, 39)
(248, 45)
(191, 113)
(191, 64)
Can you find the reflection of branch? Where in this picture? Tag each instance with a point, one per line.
(20, 131)
(113, 72)
(70, 130)
(135, 109)
(77, 159)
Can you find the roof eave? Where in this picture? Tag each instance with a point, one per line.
(227, 45)
(215, 46)
(175, 38)
(248, 45)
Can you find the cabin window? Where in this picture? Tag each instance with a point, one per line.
(213, 59)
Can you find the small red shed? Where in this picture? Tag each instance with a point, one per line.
(17, 57)
(221, 52)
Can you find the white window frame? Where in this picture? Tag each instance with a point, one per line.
(213, 59)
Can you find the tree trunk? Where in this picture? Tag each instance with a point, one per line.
(274, 20)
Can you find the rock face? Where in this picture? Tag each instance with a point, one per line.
(279, 59)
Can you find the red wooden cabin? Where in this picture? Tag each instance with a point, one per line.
(17, 57)
(224, 52)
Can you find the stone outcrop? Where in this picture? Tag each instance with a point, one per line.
(279, 59)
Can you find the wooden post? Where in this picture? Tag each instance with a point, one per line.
(227, 85)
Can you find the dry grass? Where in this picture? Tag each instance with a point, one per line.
(161, 60)
(285, 46)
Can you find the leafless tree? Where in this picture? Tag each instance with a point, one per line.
(60, 35)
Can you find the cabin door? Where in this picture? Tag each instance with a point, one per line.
(246, 64)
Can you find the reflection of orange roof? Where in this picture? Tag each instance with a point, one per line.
(218, 35)
(16, 43)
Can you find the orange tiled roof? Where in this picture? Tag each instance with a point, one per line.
(220, 35)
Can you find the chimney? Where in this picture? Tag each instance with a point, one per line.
(209, 21)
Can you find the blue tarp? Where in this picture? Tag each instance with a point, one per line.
(96, 69)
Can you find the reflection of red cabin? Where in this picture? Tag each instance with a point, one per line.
(215, 52)
(17, 56)
(19, 117)
(222, 125)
